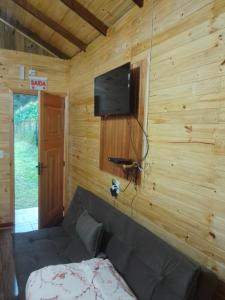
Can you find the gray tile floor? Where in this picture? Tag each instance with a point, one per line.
(26, 219)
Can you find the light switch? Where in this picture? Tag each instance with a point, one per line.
(32, 72)
(21, 72)
(2, 154)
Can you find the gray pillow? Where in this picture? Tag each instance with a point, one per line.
(90, 232)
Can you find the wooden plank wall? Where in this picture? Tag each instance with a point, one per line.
(57, 71)
(13, 40)
(5, 168)
(181, 197)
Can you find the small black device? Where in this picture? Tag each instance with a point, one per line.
(113, 92)
(120, 161)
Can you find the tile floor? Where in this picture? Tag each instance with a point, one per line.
(26, 219)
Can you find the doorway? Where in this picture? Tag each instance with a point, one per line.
(25, 161)
(39, 159)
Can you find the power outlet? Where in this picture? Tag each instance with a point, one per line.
(115, 188)
(116, 183)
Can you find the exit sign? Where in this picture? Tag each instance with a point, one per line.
(38, 83)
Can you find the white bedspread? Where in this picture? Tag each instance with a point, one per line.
(92, 279)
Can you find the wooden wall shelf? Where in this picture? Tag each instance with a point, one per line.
(122, 136)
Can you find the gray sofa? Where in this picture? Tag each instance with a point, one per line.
(152, 268)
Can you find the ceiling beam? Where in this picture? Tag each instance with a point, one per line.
(85, 14)
(51, 23)
(31, 35)
(140, 3)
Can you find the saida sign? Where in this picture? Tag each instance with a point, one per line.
(38, 83)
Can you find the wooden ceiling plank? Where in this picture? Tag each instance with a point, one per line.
(85, 14)
(51, 23)
(140, 3)
(31, 35)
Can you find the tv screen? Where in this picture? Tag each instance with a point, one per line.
(113, 92)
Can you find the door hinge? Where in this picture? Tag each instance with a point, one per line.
(64, 163)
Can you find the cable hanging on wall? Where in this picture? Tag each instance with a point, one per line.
(133, 167)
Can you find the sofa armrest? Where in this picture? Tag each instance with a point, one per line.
(207, 286)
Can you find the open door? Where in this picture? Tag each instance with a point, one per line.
(51, 159)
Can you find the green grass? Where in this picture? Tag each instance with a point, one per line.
(26, 178)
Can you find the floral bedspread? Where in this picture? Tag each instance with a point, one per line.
(92, 279)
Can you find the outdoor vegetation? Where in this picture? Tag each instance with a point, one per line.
(26, 150)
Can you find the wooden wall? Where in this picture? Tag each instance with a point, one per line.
(57, 71)
(181, 197)
(13, 40)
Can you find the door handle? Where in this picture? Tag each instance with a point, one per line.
(40, 168)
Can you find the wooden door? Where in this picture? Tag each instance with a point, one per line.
(51, 159)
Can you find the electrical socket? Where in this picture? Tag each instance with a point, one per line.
(115, 188)
(116, 183)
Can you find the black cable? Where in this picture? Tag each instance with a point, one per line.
(131, 139)
(127, 186)
(146, 137)
(132, 202)
(132, 142)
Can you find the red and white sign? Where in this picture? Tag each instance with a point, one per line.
(38, 83)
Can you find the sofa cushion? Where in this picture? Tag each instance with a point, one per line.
(33, 250)
(140, 277)
(151, 267)
(76, 251)
(37, 249)
(76, 208)
(118, 253)
(166, 282)
(90, 232)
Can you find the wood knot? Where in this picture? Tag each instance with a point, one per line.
(188, 128)
(212, 235)
(154, 186)
(214, 269)
(223, 63)
(212, 30)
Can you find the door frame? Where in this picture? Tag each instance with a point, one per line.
(12, 160)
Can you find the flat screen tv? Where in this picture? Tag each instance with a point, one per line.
(113, 95)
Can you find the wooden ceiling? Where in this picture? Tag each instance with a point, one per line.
(64, 27)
